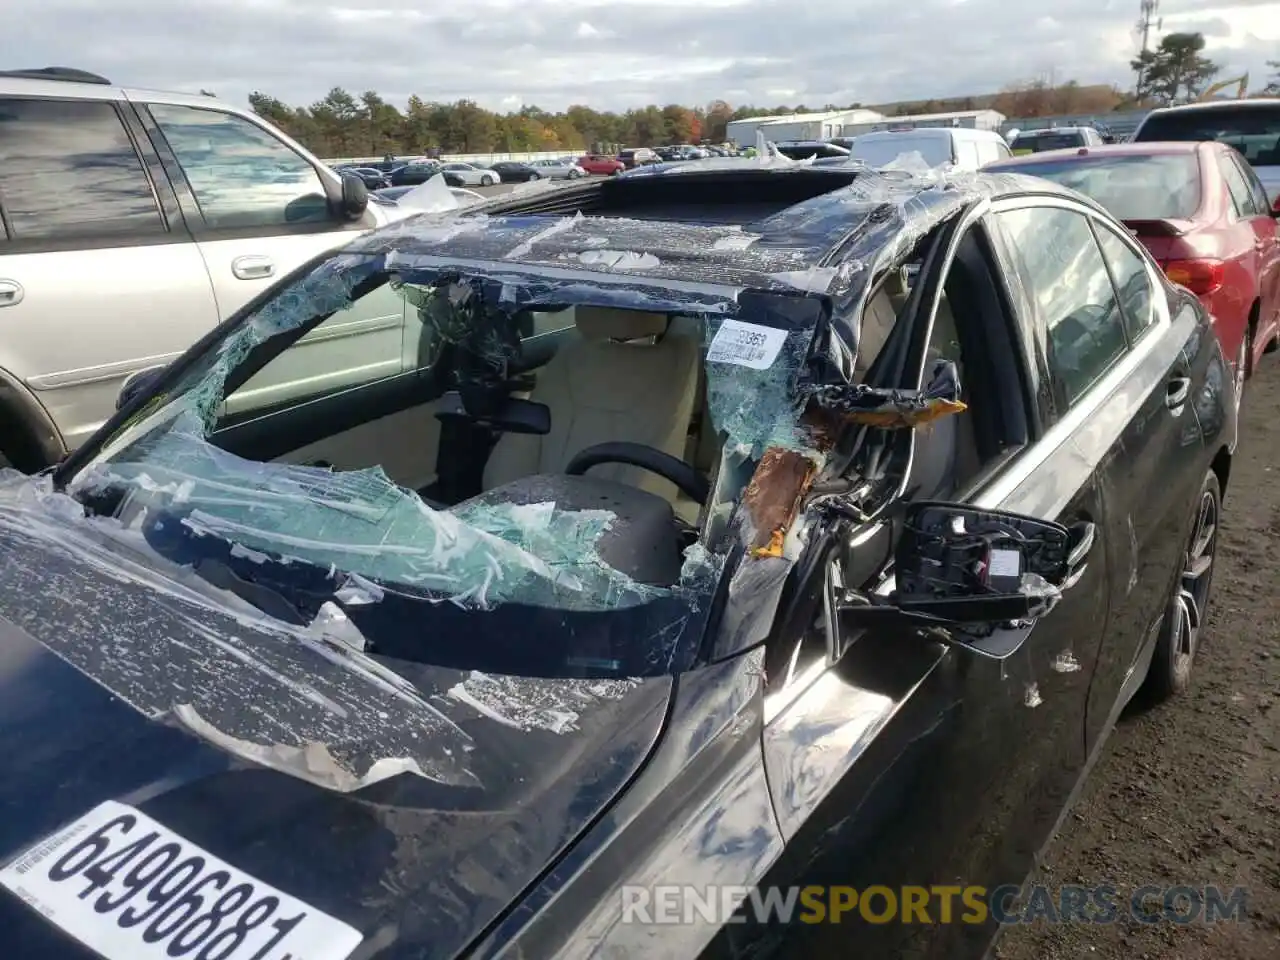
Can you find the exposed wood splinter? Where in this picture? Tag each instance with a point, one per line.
(773, 497)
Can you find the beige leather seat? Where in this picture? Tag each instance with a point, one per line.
(878, 320)
(627, 379)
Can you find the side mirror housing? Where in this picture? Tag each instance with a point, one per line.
(961, 565)
(355, 197)
(350, 199)
(136, 384)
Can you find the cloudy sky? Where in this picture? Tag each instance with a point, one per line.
(612, 54)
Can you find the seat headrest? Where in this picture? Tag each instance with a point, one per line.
(613, 323)
(895, 284)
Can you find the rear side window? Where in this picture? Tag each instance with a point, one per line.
(1132, 280)
(68, 170)
(240, 174)
(1241, 197)
(1249, 181)
(1068, 283)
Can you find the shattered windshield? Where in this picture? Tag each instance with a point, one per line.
(527, 444)
(361, 524)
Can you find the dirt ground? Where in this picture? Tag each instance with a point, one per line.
(1188, 792)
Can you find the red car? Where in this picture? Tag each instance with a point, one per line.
(601, 165)
(1202, 212)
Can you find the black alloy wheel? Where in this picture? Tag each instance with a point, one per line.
(1188, 608)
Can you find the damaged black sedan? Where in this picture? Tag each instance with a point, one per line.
(490, 585)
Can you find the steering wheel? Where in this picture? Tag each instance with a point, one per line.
(686, 479)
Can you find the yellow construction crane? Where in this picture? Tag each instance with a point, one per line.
(1242, 86)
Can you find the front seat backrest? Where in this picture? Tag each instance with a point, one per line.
(624, 380)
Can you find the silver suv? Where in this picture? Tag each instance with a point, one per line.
(131, 223)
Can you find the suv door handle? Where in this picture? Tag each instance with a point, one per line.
(1176, 392)
(1082, 536)
(11, 293)
(253, 267)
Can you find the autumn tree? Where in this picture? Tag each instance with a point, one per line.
(715, 123)
(1032, 98)
(680, 124)
(1176, 69)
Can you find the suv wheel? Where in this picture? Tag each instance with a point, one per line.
(486, 181)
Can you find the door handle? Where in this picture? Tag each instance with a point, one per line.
(1083, 535)
(1176, 392)
(11, 293)
(253, 267)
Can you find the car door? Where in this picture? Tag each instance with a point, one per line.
(99, 276)
(1266, 237)
(259, 210)
(894, 761)
(1250, 271)
(1120, 374)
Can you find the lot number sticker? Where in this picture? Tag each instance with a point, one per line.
(746, 345)
(131, 889)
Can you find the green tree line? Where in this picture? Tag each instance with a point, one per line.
(344, 124)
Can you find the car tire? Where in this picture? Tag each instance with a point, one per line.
(1188, 606)
(574, 174)
(486, 181)
(534, 176)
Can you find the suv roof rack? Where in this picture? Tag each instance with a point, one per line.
(55, 73)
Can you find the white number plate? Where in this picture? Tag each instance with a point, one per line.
(131, 889)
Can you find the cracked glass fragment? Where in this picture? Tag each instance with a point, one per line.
(757, 408)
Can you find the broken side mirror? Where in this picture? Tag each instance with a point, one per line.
(972, 578)
(856, 403)
(960, 565)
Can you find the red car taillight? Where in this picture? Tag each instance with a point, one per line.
(1201, 277)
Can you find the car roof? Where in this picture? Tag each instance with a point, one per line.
(1218, 105)
(1149, 149)
(791, 248)
(908, 132)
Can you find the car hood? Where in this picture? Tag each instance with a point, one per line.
(411, 802)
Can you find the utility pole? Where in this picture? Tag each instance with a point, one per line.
(1147, 20)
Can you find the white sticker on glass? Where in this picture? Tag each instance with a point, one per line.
(129, 888)
(1005, 563)
(746, 345)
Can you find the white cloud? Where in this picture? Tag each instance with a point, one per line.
(612, 54)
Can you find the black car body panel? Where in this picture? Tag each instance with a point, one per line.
(785, 739)
(422, 865)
